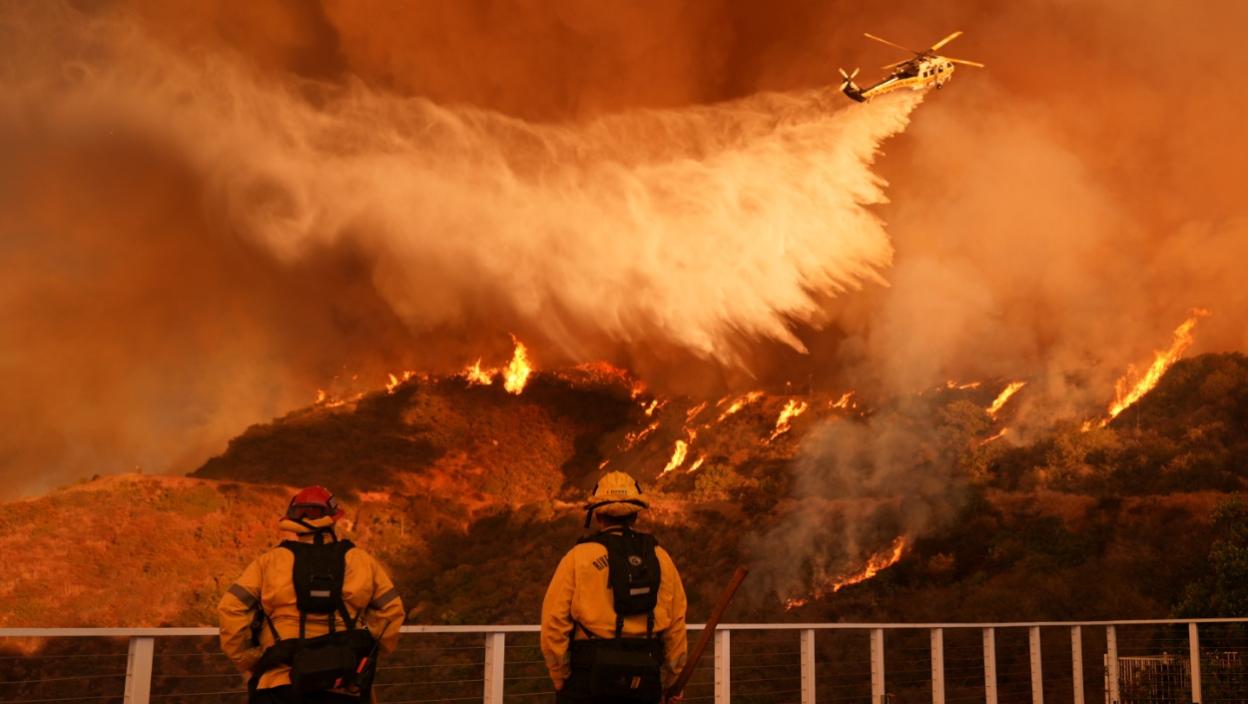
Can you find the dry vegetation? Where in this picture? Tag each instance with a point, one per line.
(469, 495)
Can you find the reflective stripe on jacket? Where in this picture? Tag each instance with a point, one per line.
(268, 582)
(580, 590)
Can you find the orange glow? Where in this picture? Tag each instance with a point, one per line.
(321, 396)
(693, 412)
(516, 375)
(1127, 392)
(678, 456)
(1004, 397)
(875, 564)
(739, 403)
(955, 386)
(995, 436)
(633, 437)
(784, 423)
(476, 376)
(845, 402)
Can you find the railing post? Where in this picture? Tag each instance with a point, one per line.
(139, 670)
(938, 666)
(877, 666)
(1111, 664)
(495, 659)
(1076, 662)
(1037, 664)
(990, 666)
(808, 666)
(723, 666)
(1193, 654)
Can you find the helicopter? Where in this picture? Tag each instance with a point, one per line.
(926, 69)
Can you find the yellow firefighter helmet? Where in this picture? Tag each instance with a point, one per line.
(616, 494)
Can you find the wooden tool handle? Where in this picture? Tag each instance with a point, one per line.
(704, 639)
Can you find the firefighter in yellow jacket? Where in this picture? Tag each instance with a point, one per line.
(613, 620)
(347, 593)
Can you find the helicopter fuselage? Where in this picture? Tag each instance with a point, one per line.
(916, 74)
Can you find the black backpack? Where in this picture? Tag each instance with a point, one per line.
(619, 667)
(339, 659)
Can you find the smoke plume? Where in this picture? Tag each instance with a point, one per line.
(701, 228)
(212, 209)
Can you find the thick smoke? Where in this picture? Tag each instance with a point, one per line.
(699, 228)
(209, 208)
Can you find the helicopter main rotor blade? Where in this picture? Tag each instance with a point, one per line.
(946, 40)
(896, 64)
(963, 61)
(892, 44)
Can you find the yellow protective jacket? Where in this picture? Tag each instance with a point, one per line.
(267, 582)
(580, 590)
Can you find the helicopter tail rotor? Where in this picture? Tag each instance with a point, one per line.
(848, 87)
(849, 77)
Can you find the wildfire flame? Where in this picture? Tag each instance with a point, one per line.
(1127, 393)
(955, 386)
(321, 397)
(678, 456)
(516, 375)
(739, 403)
(1004, 397)
(476, 376)
(393, 382)
(697, 463)
(784, 423)
(875, 564)
(845, 402)
(995, 436)
(633, 437)
(693, 412)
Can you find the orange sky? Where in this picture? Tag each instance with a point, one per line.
(1053, 216)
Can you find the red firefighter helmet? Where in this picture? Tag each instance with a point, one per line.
(313, 502)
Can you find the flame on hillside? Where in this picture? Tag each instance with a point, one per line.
(635, 436)
(737, 404)
(995, 436)
(845, 402)
(393, 382)
(955, 386)
(678, 456)
(515, 375)
(1004, 397)
(784, 423)
(476, 376)
(875, 564)
(1127, 392)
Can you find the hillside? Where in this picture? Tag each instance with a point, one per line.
(461, 488)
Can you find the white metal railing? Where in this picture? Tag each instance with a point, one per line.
(801, 676)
